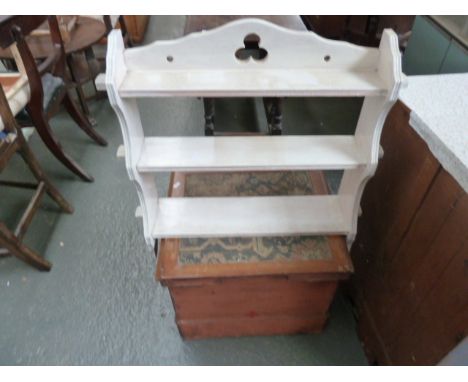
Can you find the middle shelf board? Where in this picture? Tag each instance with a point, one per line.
(262, 153)
(248, 216)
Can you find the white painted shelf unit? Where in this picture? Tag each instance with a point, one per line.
(297, 64)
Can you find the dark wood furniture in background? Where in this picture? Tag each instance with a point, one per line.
(11, 243)
(272, 106)
(84, 66)
(411, 253)
(86, 33)
(272, 296)
(360, 29)
(122, 25)
(327, 26)
(41, 106)
(134, 27)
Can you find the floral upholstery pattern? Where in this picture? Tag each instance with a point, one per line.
(251, 249)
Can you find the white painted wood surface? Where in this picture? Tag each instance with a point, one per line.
(248, 216)
(100, 82)
(204, 64)
(249, 153)
(369, 128)
(298, 64)
(252, 83)
(132, 132)
(287, 49)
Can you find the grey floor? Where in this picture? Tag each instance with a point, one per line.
(100, 304)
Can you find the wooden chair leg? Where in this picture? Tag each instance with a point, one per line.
(81, 120)
(22, 252)
(40, 176)
(52, 143)
(79, 90)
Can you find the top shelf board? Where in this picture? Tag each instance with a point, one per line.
(253, 58)
(253, 83)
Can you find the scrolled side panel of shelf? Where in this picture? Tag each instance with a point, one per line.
(132, 132)
(369, 128)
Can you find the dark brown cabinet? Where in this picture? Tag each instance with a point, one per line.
(411, 254)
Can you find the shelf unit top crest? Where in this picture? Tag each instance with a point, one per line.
(296, 63)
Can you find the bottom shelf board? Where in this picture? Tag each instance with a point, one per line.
(249, 216)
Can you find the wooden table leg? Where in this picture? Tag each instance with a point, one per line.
(277, 117)
(274, 113)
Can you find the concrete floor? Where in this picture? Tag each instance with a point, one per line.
(100, 304)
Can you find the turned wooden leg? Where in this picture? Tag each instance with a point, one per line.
(52, 143)
(209, 106)
(277, 117)
(16, 248)
(274, 115)
(81, 121)
(267, 105)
